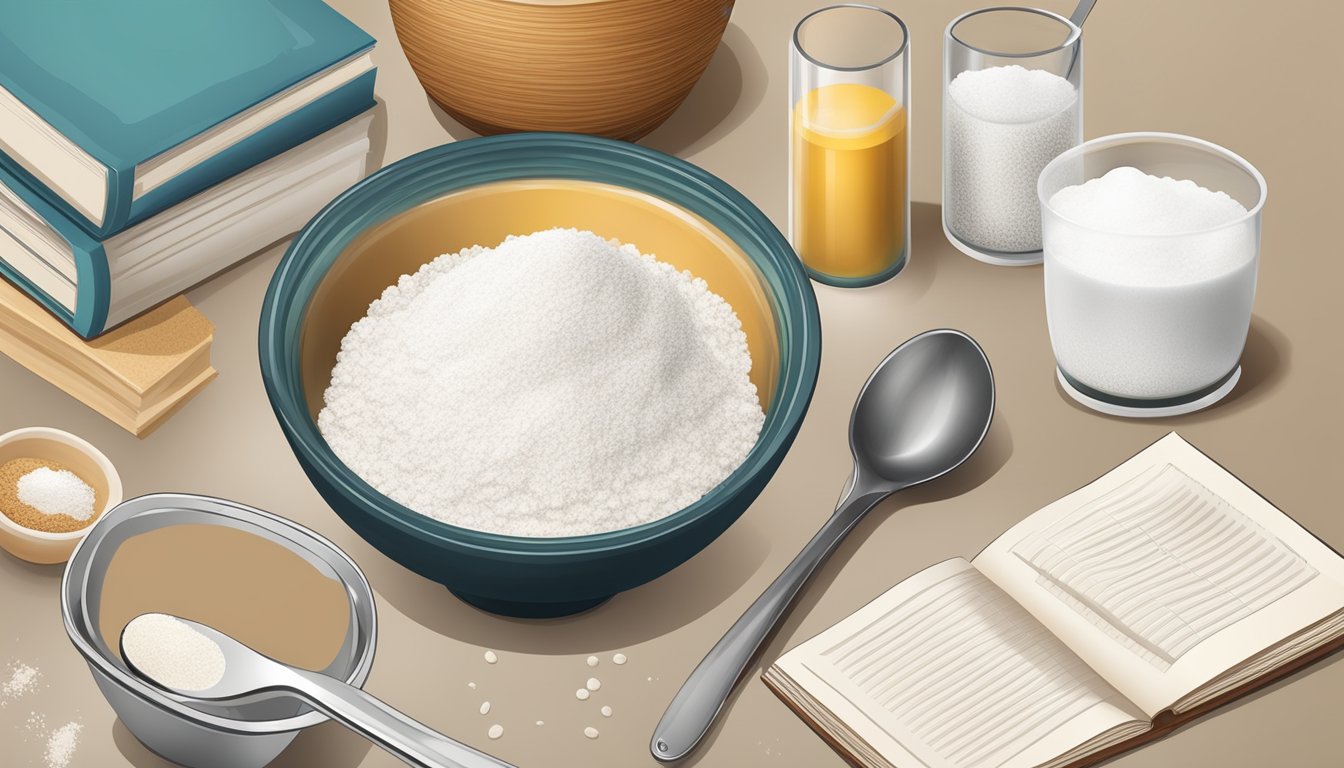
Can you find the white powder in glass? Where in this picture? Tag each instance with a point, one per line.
(61, 745)
(1003, 124)
(172, 653)
(1149, 283)
(557, 384)
(56, 492)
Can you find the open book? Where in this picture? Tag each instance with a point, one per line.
(1156, 593)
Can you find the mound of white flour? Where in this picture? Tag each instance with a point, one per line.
(557, 384)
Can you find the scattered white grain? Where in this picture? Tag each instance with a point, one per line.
(582, 694)
(485, 708)
(541, 722)
(56, 492)
(645, 405)
(61, 745)
(593, 684)
(606, 711)
(472, 686)
(590, 732)
(618, 658)
(592, 661)
(495, 731)
(22, 679)
(172, 653)
(1003, 125)
(491, 657)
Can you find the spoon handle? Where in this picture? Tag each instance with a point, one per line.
(700, 699)
(408, 739)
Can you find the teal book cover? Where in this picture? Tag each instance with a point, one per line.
(127, 80)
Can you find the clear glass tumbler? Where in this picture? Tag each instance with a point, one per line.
(849, 86)
(1012, 101)
(1148, 315)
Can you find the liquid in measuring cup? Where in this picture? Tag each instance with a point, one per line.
(849, 180)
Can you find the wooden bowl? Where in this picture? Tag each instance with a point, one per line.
(614, 68)
(80, 457)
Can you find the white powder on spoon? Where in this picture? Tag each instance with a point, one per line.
(172, 653)
(557, 384)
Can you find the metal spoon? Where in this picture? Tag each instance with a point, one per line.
(1080, 13)
(250, 676)
(922, 412)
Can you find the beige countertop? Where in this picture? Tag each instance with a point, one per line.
(1257, 77)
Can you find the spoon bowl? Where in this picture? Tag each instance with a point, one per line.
(248, 676)
(924, 410)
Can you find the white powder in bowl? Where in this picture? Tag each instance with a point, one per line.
(1003, 124)
(172, 653)
(1149, 283)
(56, 492)
(557, 384)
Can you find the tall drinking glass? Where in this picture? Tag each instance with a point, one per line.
(849, 85)
(1012, 102)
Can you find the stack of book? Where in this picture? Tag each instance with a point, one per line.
(146, 145)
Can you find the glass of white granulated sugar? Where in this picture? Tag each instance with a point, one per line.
(1012, 101)
(1152, 243)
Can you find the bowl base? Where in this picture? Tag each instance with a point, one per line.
(1137, 409)
(523, 610)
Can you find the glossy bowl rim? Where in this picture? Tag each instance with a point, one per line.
(151, 696)
(343, 219)
(109, 470)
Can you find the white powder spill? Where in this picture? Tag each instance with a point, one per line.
(618, 658)
(614, 388)
(495, 731)
(593, 661)
(582, 694)
(22, 679)
(593, 684)
(485, 708)
(1003, 124)
(1142, 303)
(606, 711)
(61, 745)
(491, 657)
(172, 653)
(590, 732)
(56, 492)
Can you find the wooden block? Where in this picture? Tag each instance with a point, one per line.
(135, 375)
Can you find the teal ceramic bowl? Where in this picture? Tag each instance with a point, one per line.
(477, 192)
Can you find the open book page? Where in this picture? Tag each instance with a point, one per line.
(946, 671)
(1166, 573)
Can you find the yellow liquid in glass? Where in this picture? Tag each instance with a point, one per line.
(849, 180)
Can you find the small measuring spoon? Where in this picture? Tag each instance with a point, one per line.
(923, 411)
(249, 675)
